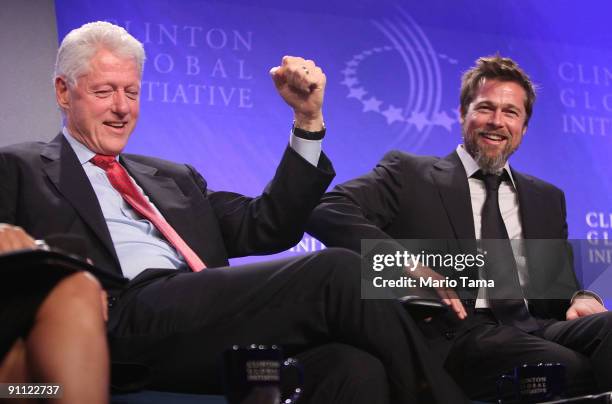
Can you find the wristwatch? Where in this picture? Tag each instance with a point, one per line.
(304, 134)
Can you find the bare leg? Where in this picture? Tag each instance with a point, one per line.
(67, 344)
(13, 369)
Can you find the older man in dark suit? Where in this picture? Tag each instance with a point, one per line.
(162, 240)
(474, 194)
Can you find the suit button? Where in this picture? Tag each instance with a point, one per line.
(111, 301)
(449, 335)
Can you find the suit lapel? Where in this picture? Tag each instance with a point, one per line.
(162, 191)
(167, 197)
(549, 257)
(532, 207)
(64, 170)
(451, 181)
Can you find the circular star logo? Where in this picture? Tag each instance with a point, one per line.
(419, 84)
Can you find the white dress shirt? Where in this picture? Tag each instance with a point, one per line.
(138, 243)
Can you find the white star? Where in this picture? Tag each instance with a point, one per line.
(393, 114)
(349, 82)
(358, 93)
(348, 71)
(371, 105)
(418, 119)
(352, 63)
(442, 119)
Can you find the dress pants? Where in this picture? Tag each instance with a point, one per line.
(177, 324)
(487, 350)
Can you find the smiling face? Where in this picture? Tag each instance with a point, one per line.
(494, 123)
(101, 110)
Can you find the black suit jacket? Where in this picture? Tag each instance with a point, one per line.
(44, 189)
(419, 197)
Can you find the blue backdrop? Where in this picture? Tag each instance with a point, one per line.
(393, 71)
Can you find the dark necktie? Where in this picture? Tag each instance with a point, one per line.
(506, 298)
(121, 181)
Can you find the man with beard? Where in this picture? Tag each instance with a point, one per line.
(473, 194)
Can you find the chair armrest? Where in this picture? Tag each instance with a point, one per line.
(420, 308)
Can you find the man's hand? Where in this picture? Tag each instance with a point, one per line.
(447, 295)
(14, 238)
(301, 83)
(584, 305)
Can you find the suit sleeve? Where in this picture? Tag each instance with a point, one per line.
(275, 220)
(564, 231)
(568, 277)
(360, 208)
(7, 192)
(553, 279)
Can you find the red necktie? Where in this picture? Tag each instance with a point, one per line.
(121, 181)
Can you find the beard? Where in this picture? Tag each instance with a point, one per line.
(489, 164)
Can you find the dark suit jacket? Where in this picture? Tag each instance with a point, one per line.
(418, 197)
(44, 189)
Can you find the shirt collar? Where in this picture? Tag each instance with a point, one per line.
(81, 151)
(470, 165)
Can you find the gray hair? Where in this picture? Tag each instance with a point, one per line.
(81, 44)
